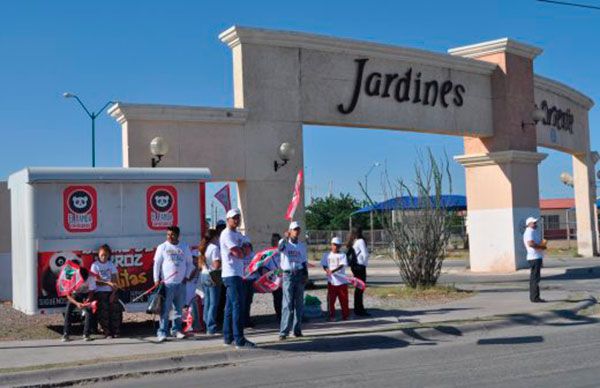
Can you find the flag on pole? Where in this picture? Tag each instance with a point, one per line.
(295, 198)
(224, 196)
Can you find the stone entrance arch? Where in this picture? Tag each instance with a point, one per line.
(283, 80)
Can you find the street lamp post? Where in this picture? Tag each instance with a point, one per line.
(376, 164)
(92, 116)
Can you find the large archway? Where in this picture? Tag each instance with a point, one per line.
(282, 80)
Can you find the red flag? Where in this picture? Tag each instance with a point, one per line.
(295, 198)
(224, 196)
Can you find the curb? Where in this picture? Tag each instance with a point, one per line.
(112, 370)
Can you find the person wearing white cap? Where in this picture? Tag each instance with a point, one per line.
(535, 254)
(248, 282)
(293, 263)
(232, 265)
(334, 263)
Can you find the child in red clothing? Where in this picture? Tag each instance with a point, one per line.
(334, 263)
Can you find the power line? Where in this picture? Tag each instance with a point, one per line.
(570, 4)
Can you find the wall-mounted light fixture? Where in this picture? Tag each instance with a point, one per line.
(566, 179)
(536, 116)
(286, 152)
(159, 148)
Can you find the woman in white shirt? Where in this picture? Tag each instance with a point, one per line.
(358, 257)
(209, 261)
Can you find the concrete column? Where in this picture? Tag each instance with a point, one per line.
(584, 185)
(501, 170)
(500, 196)
(267, 84)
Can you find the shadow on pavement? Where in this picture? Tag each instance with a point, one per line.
(340, 344)
(583, 273)
(511, 340)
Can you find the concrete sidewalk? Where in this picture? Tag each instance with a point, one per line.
(483, 306)
(503, 303)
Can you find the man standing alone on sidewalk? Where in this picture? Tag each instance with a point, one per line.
(535, 255)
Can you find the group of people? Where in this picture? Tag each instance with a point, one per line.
(220, 271)
(99, 286)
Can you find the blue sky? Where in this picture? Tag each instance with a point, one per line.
(168, 52)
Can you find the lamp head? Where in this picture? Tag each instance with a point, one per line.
(538, 115)
(159, 147)
(68, 95)
(566, 178)
(286, 151)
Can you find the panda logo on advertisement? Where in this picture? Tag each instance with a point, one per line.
(161, 207)
(80, 209)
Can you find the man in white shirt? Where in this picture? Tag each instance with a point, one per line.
(535, 255)
(232, 264)
(294, 266)
(334, 263)
(172, 265)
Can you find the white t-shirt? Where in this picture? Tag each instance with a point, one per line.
(212, 254)
(332, 261)
(172, 263)
(231, 265)
(532, 235)
(104, 272)
(362, 253)
(292, 255)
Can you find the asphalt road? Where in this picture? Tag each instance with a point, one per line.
(562, 353)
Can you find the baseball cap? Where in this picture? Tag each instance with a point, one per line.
(294, 225)
(530, 220)
(336, 241)
(221, 223)
(233, 212)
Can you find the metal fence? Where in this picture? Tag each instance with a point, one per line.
(378, 237)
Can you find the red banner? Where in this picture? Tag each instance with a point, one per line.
(134, 265)
(161, 207)
(80, 209)
(289, 215)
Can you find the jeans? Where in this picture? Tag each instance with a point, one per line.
(360, 272)
(70, 310)
(247, 301)
(174, 297)
(534, 279)
(293, 303)
(232, 320)
(212, 295)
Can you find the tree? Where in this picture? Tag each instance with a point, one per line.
(333, 213)
(420, 230)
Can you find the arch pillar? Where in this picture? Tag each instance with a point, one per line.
(501, 170)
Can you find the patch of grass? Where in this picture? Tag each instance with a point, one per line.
(439, 292)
